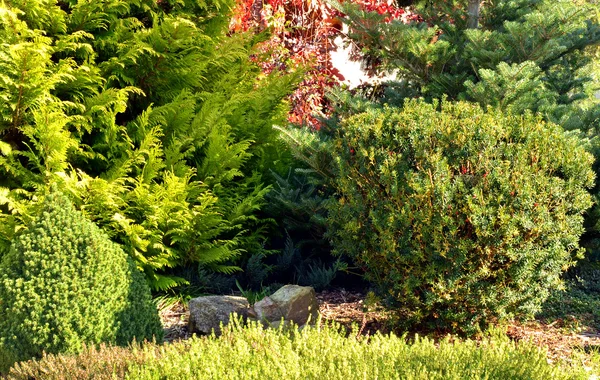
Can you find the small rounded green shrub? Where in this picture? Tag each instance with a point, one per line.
(64, 283)
(459, 216)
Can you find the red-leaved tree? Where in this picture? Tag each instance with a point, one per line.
(302, 35)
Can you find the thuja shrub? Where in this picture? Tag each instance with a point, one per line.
(64, 284)
(459, 216)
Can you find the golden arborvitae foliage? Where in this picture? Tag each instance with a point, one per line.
(149, 117)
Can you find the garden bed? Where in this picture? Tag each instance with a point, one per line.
(531, 350)
(253, 352)
(348, 309)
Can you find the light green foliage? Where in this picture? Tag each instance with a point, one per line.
(525, 55)
(64, 284)
(457, 215)
(315, 353)
(148, 116)
(412, 206)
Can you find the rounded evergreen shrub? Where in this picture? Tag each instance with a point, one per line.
(459, 216)
(64, 283)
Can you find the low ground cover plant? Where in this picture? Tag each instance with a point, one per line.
(313, 353)
(577, 307)
(64, 284)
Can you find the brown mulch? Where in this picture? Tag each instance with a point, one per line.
(559, 342)
(349, 310)
(174, 319)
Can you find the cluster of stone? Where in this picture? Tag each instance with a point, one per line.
(290, 304)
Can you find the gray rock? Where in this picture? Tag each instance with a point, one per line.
(207, 313)
(292, 303)
(267, 310)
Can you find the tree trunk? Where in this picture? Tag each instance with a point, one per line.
(473, 10)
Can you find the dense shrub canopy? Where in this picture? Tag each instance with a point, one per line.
(64, 283)
(458, 215)
(147, 115)
(416, 205)
(523, 55)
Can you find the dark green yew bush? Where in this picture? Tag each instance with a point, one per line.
(458, 215)
(64, 283)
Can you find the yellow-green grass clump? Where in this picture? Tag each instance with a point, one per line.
(314, 353)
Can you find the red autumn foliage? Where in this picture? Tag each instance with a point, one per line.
(302, 34)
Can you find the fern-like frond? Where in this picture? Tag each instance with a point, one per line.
(159, 282)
